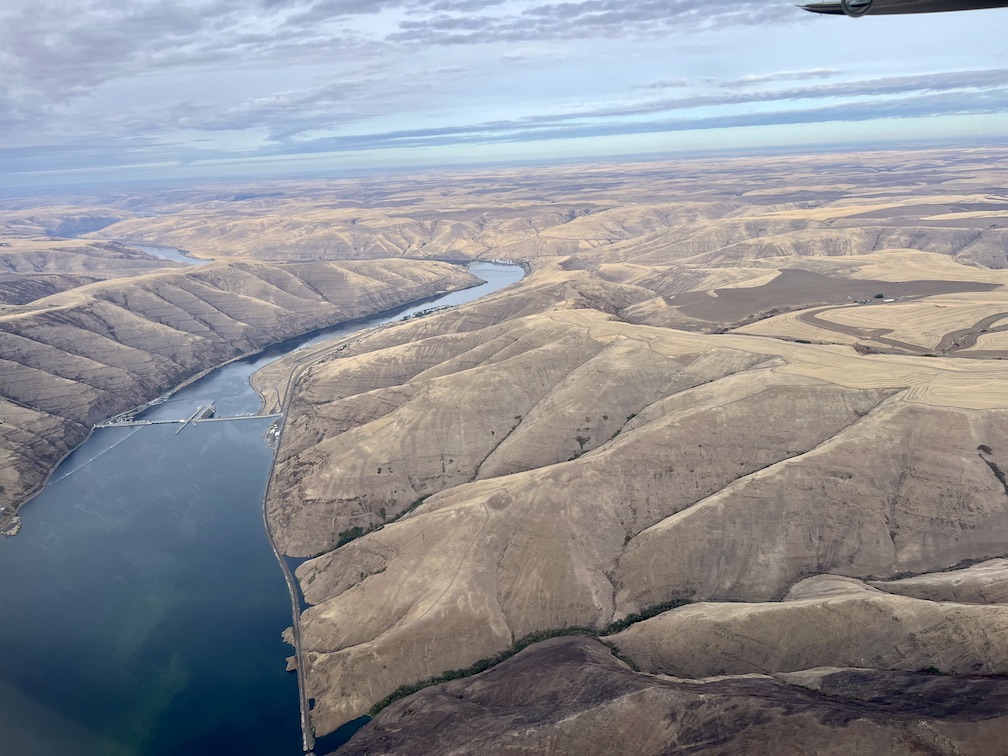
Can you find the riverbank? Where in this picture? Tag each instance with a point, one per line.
(12, 526)
(272, 381)
(299, 666)
(76, 425)
(266, 380)
(286, 374)
(307, 731)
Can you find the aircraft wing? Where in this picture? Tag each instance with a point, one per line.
(892, 7)
(832, 9)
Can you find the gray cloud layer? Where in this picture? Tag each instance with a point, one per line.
(893, 97)
(608, 18)
(92, 82)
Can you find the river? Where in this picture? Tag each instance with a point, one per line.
(168, 253)
(141, 603)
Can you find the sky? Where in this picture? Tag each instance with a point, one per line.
(141, 89)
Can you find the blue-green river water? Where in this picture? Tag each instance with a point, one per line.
(141, 605)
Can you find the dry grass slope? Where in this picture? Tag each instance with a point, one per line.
(684, 399)
(73, 359)
(571, 696)
(604, 437)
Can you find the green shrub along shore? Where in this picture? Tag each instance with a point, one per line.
(522, 643)
(352, 534)
(482, 665)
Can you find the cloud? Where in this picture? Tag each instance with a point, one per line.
(132, 81)
(664, 84)
(977, 92)
(986, 85)
(58, 49)
(458, 6)
(753, 79)
(607, 19)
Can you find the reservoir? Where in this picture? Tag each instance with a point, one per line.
(141, 603)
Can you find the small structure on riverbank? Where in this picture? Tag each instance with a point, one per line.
(12, 528)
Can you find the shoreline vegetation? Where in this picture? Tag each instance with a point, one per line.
(617, 626)
(482, 665)
(517, 646)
